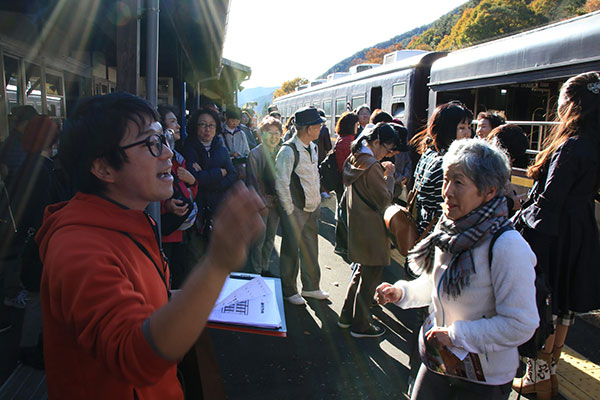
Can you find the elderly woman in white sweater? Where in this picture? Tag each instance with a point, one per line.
(482, 309)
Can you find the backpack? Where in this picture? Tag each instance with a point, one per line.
(296, 189)
(543, 299)
(331, 177)
(59, 189)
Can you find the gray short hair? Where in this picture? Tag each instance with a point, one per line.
(484, 163)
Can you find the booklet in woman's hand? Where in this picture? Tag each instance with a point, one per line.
(444, 360)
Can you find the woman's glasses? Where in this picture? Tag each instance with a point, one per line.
(204, 125)
(154, 142)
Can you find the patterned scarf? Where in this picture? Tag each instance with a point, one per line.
(458, 238)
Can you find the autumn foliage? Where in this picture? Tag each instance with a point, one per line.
(289, 86)
(484, 20)
(592, 5)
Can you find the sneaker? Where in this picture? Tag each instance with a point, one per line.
(296, 299)
(19, 301)
(343, 323)
(316, 294)
(5, 326)
(373, 331)
(325, 195)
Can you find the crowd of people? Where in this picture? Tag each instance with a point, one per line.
(98, 273)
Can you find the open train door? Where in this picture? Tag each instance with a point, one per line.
(376, 95)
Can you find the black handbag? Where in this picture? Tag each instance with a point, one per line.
(170, 222)
(543, 294)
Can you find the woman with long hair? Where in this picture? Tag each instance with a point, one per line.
(559, 223)
(370, 184)
(449, 121)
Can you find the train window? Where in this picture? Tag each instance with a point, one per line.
(399, 89)
(357, 101)
(327, 107)
(33, 88)
(398, 110)
(54, 95)
(12, 82)
(340, 106)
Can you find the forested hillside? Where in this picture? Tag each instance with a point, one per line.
(474, 22)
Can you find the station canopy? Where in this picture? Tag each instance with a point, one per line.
(555, 51)
(191, 32)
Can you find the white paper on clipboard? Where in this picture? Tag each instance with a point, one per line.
(247, 302)
(254, 288)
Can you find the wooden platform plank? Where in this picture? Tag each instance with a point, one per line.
(579, 378)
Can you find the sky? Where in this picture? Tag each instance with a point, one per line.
(282, 39)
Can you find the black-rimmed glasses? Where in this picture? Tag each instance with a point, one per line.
(154, 142)
(204, 125)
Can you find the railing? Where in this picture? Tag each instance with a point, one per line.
(537, 133)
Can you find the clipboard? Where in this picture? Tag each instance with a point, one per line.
(274, 283)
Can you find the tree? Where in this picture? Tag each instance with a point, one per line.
(491, 18)
(592, 5)
(357, 61)
(289, 86)
(375, 55)
(544, 7)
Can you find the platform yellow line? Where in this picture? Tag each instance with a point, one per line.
(578, 377)
(519, 181)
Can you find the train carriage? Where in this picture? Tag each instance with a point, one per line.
(399, 87)
(520, 75)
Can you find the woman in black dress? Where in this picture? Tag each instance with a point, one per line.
(560, 224)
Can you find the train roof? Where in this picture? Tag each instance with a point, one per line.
(558, 50)
(427, 58)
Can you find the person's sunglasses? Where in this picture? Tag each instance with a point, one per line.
(154, 142)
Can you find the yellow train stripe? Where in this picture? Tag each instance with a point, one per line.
(578, 377)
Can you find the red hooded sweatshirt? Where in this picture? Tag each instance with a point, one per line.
(97, 289)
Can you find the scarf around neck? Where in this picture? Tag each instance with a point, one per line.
(458, 238)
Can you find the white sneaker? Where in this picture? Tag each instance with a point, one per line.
(296, 299)
(316, 294)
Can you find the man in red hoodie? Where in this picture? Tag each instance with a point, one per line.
(110, 329)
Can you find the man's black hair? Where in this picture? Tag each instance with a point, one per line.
(95, 130)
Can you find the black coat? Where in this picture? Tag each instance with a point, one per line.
(212, 185)
(564, 234)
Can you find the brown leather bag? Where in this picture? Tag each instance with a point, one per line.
(402, 223)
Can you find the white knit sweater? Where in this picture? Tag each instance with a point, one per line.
(494, 314)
